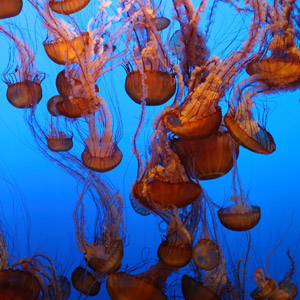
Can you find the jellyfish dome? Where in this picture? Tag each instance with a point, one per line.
(10, 8)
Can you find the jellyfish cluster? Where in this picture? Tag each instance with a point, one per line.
(199, 104)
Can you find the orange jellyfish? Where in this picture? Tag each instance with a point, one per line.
(85, 282)
(278, 66)
(152, 80)
(64, 286)
(241, 123)
(67, 7)
(24, 85)
(147, 285)
(206, 158)
(164, 185)
(103, 255)
(10, 8)
(265, 286)
(240, 216)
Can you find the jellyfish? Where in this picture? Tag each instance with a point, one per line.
(278, 66)
(24, 85)
(63, 285)
(11, 8)
(147, 285)
(67, 7)
(164, 185)
(241, 215)
(85, 282)
(206, 158)
(265, 286)
(241, 123)
(152, 80)
(103, 255)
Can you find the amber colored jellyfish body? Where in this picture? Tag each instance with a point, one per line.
(110, 259)
(64, 287)
(206, 158)
(164, 194)
(10, 8)
(160, 86)
(239, 217)
(59, 142)
(18, 285)
(67, 7)
(195, 290)
(285, 291)
(206, 254)
(266, 287)
(85, 282)
(193, 128)
(257, 140)
(63, 51)
(24, 94)
(146, 286)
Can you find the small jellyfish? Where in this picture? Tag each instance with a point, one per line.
(85, 282)
(265, 286)
(24, 85)
(64, 287)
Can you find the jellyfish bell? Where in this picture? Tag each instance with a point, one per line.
(24, 94)
(100, 157)
(165, 195)
(160, 86)
(206, 254)
(77, 107)
(194, 290)
(250, 135)
(206, 158)
(85, 282)
(66, 51)
(265, 286)
(160, 23)
(67, 7)
(18, 285)
(239, 217)
(285, 291)
(146, 286)
(193, 127)
(105, 259)
(51, 105)
(64, 287)
(10, 8)
(59, 141)
(175, 251)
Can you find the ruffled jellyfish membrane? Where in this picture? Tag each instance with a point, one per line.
(64, 287)
(67, 7)
(164, 185)
(10, 8)
(18, 284)
(265, 286)
(51, 105)
(103, 255)
(176, 251)
(241, 124)
(85, 282)
(194, 290)
(152, 80)
(24, 85)
(279, 65)
(146, 286)
(206, 158)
